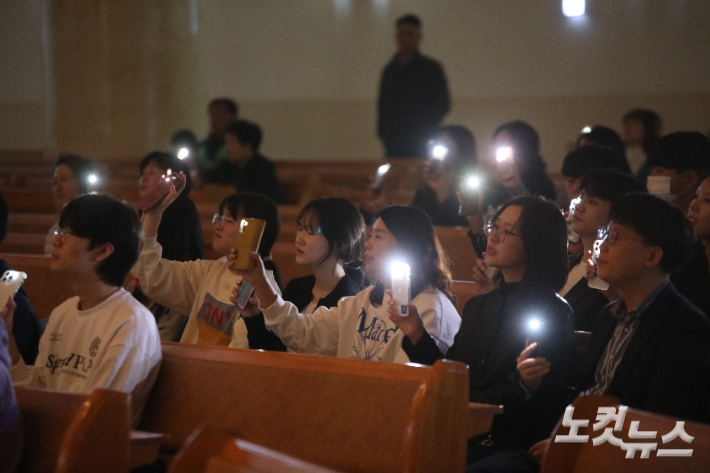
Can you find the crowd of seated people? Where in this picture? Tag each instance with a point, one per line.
(650, 334)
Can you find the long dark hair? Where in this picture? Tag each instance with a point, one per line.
(544, 234)
(420, 248)
(343, 226)
(652, 126)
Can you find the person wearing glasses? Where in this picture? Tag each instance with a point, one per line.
(651, 348)
(528, 243)
(202, 288)
(598, 191)
(102, 338)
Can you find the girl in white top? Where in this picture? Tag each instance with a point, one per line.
(202, 288)
(359, 326)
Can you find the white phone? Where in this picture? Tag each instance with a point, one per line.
(597, 283)
(400, 285)
(9, 285)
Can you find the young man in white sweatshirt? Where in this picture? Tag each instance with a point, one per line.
(102, 337)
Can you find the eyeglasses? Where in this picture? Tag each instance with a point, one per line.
(611, 237)
(491, 229)
(62, 234)
(222, 219)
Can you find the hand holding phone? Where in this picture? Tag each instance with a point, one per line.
(9, 285)
(158, 193)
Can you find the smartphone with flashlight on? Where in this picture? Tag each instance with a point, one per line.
(9, 285)
(596, 282)
(572, 236)
(249, 238)
(380, 176)
(158, 193)
(438, 153)
(401, 285)
(470, 192)
(533, 331)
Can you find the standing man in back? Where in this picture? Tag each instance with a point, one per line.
(414, 96)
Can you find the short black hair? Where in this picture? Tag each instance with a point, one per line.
(81, 167)
(544, 234)
(409, 19)
(464, 140)
(609, 185)
(579, 162)
(255, 205)
(4, 218)
(683, 151)
(165, 161)
(184, 137)
(604, 136)
(103, 219)
(659, 223)
(341, 224)
(225, 102)
(247, 133)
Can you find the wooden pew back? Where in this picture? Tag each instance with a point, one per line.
(344, 414)
(457, 245)
(74, 433)
(587, 458)
(212, 450)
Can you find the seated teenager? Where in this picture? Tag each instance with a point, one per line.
(604, 136)
(598, 191)
(202, 288)
(329, 240)
(71, 179)
(359, 326)
(245, 168)
(651, 348)
(179, 234)
(102, 337)
(677, 161)
(693, 279)
(527, 242)
(26, 329)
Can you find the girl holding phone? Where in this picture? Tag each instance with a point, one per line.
(202, 288)
(528, 243)
(358, 327)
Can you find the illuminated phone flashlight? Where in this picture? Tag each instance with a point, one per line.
(400, 284)
(242, 225)
(473, 182)
(439, 152)
(93, 179)
(183, 152)
(382, 170)
(534, 328)
(587, 129)
(573, 205)
(504, 153)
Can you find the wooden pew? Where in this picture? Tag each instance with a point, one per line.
(212, 450)
(606, 458)
(457, 245)
(463, 291)
(75, 433)
(45, 289)
(347, 415)
(31, 222)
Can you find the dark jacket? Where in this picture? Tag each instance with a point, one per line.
(299, 293)
(25, 324)
(666, 367)
(693, 279)
(586, 302)
(493, 331)
(442, 214)
(257, 175)
(413, 100)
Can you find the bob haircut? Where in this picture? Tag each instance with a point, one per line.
(659, 223)
(609, 185)
(340, 222)
(420, 248)
(103, 219)
(165, 161)
(579, 162)
(254, 205)
(544, 234)
(81, 167)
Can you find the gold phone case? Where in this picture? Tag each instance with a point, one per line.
(250, 232)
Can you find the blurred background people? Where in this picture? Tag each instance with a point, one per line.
(642, 129)
(222, 111)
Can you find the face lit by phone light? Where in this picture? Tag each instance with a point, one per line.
(504, 154)
(150, 176)
(379, 248)
(226, 232)
(311, 246)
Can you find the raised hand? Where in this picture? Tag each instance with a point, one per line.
(256, 277)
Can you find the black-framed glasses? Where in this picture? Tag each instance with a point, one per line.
(611, 237)
(491, 229)
(222, 219)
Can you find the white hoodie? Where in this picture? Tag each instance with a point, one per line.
(357, 329)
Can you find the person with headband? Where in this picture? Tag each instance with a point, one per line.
(358, 327)
(527, 241)
(202, 288)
